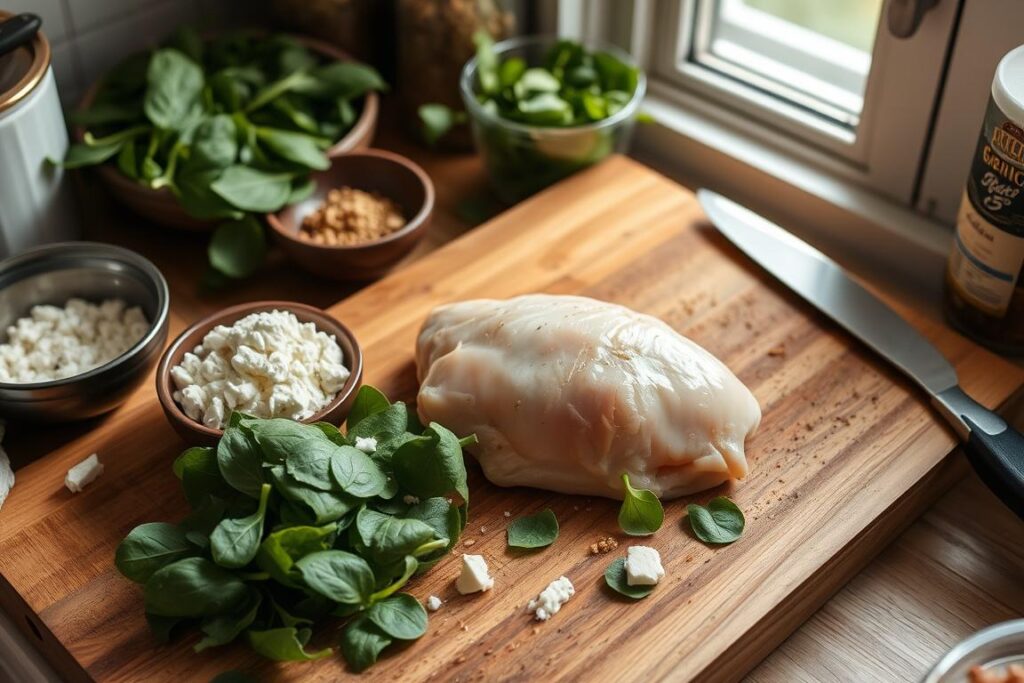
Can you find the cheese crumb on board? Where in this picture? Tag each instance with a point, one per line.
(83, 474)
(6, 473)
(434, 603)
(643, 566)
(475, 576)
(55, 342)
(410, 500)
(267, 364)
(366, 444)
(551, 599)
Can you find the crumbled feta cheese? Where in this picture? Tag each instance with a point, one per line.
(53, 343)
(267, 364)
(6, 473)
(474, 577)
(643, 566)
(434, 603)
(551, 599)
(367, 444)
(83, 473)
(410, 500)
(507, 513)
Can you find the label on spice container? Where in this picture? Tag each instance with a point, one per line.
(988, 249)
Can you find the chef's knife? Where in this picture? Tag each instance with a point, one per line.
(995, 450)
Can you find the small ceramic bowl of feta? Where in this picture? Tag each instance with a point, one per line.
(81, 326)
(265, 359)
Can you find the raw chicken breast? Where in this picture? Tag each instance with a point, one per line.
(567, 393)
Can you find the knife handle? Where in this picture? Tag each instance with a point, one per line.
(999, 461)
(994, 449)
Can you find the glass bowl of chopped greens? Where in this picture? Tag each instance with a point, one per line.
(542, 108)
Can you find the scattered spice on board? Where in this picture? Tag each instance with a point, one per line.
(351, 216)
(604, 545)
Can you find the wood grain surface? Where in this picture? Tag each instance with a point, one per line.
(847, 455)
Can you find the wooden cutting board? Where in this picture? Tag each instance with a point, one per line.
(847, 454)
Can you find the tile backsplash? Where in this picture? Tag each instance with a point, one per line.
(89, 36)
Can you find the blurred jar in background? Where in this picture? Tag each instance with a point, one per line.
(435, 40)
(346, 24)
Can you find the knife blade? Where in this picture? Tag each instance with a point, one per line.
(995, 450)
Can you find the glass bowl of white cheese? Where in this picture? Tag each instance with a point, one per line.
(265, 359)
(81, 325)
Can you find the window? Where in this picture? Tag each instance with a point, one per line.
(812, 54)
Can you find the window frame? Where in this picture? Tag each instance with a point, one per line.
(902, 91)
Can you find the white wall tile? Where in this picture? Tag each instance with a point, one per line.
(101, 49)
(65, 69)
(55, 26)
(89, 15)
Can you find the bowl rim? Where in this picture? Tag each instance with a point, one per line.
(165, 394)
(412, 225)
(109, 252)
(467, 88)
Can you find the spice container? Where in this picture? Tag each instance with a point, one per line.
(435, 40)
(984, 289)
(35, 202)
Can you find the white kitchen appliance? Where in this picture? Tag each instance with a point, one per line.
(36, 206)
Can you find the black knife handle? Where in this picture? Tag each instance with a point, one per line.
(18, 30)
(999, 461)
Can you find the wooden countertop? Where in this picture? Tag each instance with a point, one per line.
(951, 572)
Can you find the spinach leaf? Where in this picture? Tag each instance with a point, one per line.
(369, 401)
(340, 79)
(720, 522)
(298, 148)
(641, 513)
(204, 519)
(409, 566)
(432, 466)
(200, 476)
(238, 248)
(356, 473)
(174, 85)
(533, 531)
(301, 190)
(240, 461)
(224, 628)
(250, 189)
(192, 187)
(193, 587)
(326, 506)
(437, 120)
(312, 461)
(332, 433)
(214, 143)
(149, 547)
(392, 420)
(80, 155)
(362, 641)
(340, 576)
(281, 549)
(279, 437)
(399, 616)
(389, 538)
(486, 63)
(234, 542)
(615, 577)
(284, 645)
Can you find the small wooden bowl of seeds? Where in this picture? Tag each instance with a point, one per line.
(366, 212)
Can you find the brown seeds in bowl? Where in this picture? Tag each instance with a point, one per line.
(351, 216)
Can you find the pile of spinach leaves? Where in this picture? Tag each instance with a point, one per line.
(232, 126)
(291, 525)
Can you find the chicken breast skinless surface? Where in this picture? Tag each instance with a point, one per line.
(567, 393)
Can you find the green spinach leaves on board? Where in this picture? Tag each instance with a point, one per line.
(615, 577)
(641, 513)
(533, 531)
(291, 524)
(721, 521)
(232, 125)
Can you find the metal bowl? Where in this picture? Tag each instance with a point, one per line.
(992, 648)
(54, 273)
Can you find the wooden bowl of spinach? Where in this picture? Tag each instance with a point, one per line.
(206, 129)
